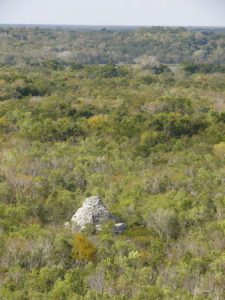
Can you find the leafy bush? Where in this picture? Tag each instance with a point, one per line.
(83, 248)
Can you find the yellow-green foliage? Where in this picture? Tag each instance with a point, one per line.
(219, 150)
(147, 137)
(83, 248)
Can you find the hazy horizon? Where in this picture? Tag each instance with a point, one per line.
(107, 25)
(187, 13)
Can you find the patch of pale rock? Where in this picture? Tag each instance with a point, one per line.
(94, 212)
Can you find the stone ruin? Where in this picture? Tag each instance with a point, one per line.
(94, 212)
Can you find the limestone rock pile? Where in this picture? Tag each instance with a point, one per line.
(94, 212)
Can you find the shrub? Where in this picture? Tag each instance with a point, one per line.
(219, 150)
(165, 223)
(83, 249)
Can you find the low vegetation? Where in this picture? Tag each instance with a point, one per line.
(150, 141)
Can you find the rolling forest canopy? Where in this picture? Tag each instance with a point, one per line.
(94, 45)
(136, 117)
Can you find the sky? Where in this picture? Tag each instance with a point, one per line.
(114, 12)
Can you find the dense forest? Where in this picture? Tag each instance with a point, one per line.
(136, 117)
(34, 46)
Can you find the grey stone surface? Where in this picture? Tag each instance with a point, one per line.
(119, 228)
(92, 212)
